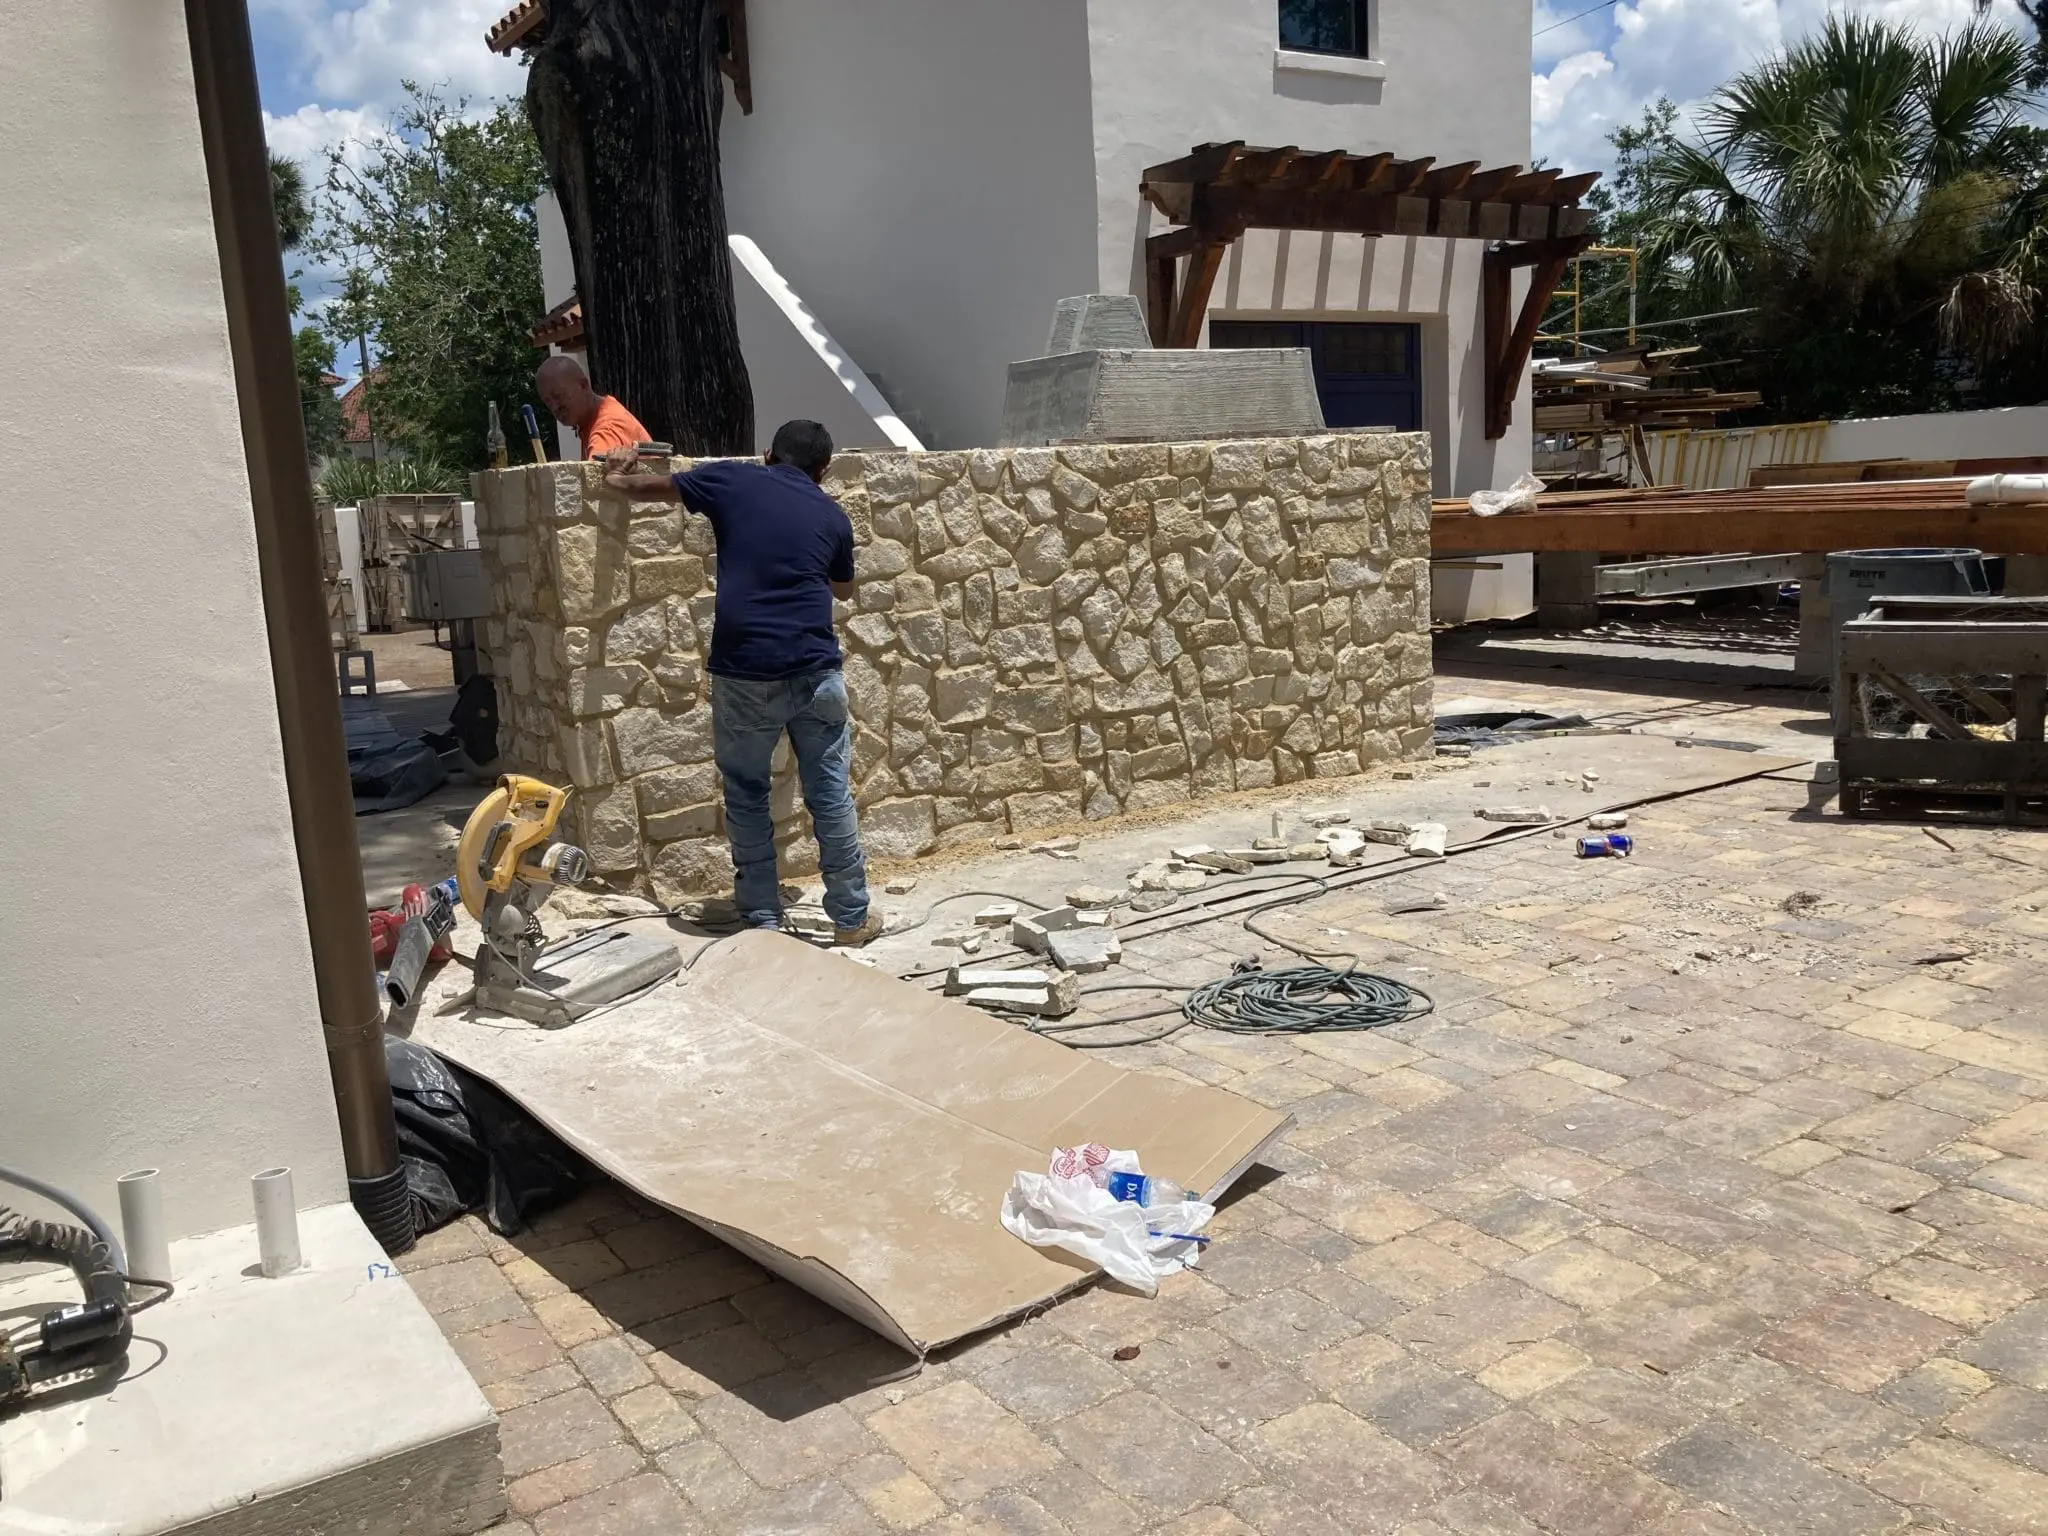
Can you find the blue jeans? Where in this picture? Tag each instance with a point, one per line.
(748, 718)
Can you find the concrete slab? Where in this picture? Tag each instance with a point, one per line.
(321, 1402)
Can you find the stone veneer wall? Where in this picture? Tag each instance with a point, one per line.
(1041, 636)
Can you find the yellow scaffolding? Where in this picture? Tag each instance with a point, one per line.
(1576, 293)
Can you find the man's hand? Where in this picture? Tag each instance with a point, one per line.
(619, 461)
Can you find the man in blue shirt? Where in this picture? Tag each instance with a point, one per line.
(785, 551)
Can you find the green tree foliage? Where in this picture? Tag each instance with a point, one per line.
(289, 202)
(433, 233)
(348, 481)
(313, 355)
(1618, 202)
(1873, 195)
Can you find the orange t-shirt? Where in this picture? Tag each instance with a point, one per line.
(612, 427)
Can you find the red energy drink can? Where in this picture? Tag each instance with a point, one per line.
(1607, 845)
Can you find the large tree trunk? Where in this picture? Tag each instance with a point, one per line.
(625, 98)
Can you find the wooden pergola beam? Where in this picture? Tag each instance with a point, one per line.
(1508, 348)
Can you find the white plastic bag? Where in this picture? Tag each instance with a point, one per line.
(1519, 497)
(1068, 1207)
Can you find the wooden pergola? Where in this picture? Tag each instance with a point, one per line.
(1532, 219)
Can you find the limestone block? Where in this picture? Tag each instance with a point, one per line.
(587, 754)
(637, 633)
(593, 573)
(647, 739)
(890, 478)
(1035, 710)
(898, 829)
(1024, 605)
(679, 575)
(650, 532)
(1023, 646)
(1042, 809)
(979, 554)
(692, 867)
(604, 690)
(879, 559)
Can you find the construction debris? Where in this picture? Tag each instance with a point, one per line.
(1393, 833)
(1428, 840)
(1220, 862)
(1152, 877)
(1092, 898)
(1255, 855)
(962, 979)
(1057, 845)
(902, 885)
(1085, 950)
(1267, 844)
(998, 916)
(1516, 815)
(1186, 880)
(1192, 851)
(1607, 821)
(1049, 999)
(1327, 819)
(1032, 933)
(969, 941)
(1303, 852)
(1153, 901)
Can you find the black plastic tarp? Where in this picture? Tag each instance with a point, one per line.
(466, 1147)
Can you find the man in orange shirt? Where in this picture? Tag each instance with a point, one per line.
(600, 423)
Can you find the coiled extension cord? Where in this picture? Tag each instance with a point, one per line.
(1303, 1000)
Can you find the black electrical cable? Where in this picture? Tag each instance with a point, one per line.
(1304, 1000)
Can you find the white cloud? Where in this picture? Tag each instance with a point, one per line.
(309, 133)
(1683, 49)
(359, 53)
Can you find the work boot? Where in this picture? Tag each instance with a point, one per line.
(870, 929)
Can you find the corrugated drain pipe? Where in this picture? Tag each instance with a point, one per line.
(295, 611)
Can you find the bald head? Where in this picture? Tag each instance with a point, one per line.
(564, 388)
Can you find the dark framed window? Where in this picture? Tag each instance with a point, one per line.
(1325, 26)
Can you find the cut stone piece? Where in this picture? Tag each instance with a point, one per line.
(1328, 818)
(1057, 845)
(1153, 901)
(1264, 844)
(1428, 840)
(1085, 950)
(1516, 815)
(1222, 863)
(1607, 821)
(1152, 877)
(965, 978)
(1160, 396)
(903, 885)
(1393, 833)
(1301, 852)
(1192, 851)
(996, 916)
(1259, 855)
(1093, 898)
(1186, 880)
(1050, 999)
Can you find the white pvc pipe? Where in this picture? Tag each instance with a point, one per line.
(1992, 490)
(277, 1222)
(143, 1232)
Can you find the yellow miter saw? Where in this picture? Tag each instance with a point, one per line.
(505, 866)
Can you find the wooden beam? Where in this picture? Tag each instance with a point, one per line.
(1447, 179)
(1205, 163)
(1496, 296)
(1410, 174)
(1716, 531)
(1487, 185)
(1504, 368)
(1569, 189)
(1530, 187)
(1192, 306)
(1935, 716)
(1174, 244)
(1367, 173)
(1162, 277)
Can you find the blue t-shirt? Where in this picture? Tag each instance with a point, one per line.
(781, 540)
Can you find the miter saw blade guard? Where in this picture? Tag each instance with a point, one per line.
(506, 865)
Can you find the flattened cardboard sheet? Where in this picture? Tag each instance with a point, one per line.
(851, 1132)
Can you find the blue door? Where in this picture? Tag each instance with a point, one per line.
(1368, 373)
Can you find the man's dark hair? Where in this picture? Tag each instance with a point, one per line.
(804, 445)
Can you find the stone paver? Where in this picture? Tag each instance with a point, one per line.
(1696, 1209)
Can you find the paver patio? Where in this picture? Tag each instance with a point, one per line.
(1707, 1201)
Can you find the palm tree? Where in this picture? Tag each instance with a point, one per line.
(1870, 194)
(288, 201)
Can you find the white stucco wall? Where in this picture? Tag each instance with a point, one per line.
(156, 987)
(921, 173)
(1171, 74)
(2019, 431)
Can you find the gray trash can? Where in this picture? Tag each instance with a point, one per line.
(1859, 577)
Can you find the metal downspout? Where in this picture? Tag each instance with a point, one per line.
(295, 610)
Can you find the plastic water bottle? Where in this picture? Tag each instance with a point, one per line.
(1145, 1189)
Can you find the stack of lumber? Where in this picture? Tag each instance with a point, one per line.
(1670, 520)
(1642, 387)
